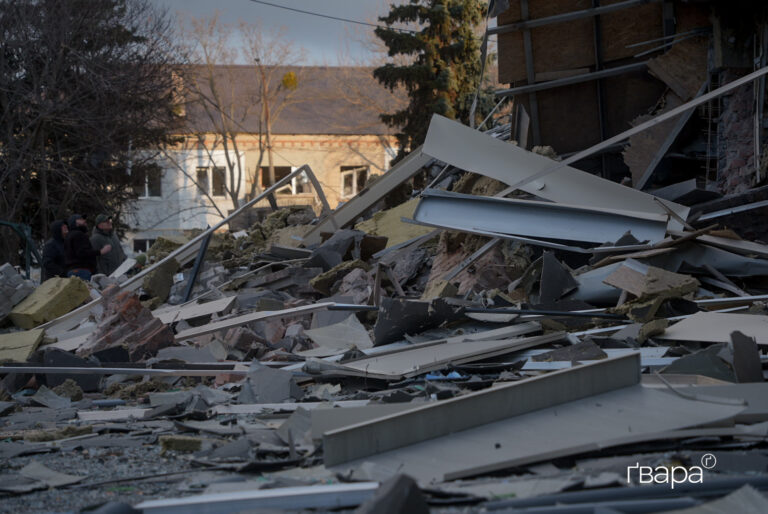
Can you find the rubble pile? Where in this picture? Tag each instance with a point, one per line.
(476, 359)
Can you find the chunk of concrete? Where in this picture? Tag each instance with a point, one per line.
(55, 297)
(18, 346)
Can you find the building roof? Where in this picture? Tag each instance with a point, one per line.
(326, 100)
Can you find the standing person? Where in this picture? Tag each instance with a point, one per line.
(80, 255)
(104, 235)
(54, 260)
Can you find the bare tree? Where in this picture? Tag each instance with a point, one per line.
(82, 83)
(227, 101)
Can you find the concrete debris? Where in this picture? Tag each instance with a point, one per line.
(126, 328)
(516, 334)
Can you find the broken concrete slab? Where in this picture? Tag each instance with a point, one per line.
(54, 298)
(18, 346)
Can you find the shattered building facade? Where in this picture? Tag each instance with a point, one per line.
(585, 71)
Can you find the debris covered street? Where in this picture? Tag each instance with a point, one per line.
(520, 333)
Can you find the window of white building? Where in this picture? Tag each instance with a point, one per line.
(353, 180)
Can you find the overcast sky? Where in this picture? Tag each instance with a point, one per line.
(325, 40)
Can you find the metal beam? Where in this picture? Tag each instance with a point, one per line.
(576, 79)
(536, 219)
(641, 127)
(570, 16)
(481, 408)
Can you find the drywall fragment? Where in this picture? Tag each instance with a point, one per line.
(717, 327)
(54, 298)
(337, 338)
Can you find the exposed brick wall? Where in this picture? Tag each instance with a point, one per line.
(736, 154)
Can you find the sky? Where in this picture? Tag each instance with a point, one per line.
(326, 41)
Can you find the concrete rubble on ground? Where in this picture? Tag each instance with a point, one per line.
(520, 335)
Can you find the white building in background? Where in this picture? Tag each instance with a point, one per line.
(337, 133)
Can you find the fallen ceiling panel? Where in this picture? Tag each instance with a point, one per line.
(539, 219)
(717, 327)
(476, 409)
(587, 424)
(470, 150)
(426, 357)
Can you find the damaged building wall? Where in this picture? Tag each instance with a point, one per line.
(704, 41)
(736, 170)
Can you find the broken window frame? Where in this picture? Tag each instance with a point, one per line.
(355, 172)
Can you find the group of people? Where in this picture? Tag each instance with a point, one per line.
(72, 253)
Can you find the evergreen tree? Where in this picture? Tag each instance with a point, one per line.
(443, 63)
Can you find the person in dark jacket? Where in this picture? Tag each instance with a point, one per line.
(54, 261)
(80, 255)
(104, 234)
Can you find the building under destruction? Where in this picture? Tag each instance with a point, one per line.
(571, 317)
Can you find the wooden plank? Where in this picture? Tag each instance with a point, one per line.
(480, 408)
(247, 318)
